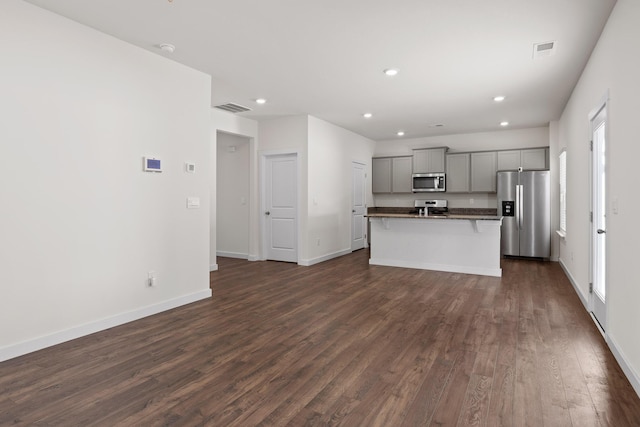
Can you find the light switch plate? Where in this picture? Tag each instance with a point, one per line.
(193, 202)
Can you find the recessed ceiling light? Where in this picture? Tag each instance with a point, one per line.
(504, 123)
(391, 72)
(499, 98)
(367, 115)
(167, 47)
(261, 101)
(400, 133)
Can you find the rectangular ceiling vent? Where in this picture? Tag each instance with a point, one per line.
(233, 108)
(544, 49)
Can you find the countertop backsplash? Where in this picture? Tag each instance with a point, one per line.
(455, 200)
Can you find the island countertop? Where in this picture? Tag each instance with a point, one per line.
(439, 217)
(461, 240)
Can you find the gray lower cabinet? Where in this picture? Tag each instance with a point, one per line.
(458, 173)
(483, 171)
(391, 174)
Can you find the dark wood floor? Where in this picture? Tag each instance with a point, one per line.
(339, 343)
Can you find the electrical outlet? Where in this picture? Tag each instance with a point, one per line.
(318, 242)
(471, 201)
(151, 279)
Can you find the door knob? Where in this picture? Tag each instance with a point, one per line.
(353, 211)
(601, 231)
(267, 213)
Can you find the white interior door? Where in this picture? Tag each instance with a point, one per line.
(281, 207)
(599, 224)
(358, 207)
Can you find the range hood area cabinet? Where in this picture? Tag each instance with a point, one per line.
(391, 174)
(429, 160)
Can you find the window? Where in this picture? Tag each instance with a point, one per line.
(563, 191)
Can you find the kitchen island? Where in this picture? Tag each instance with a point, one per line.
(455, 243)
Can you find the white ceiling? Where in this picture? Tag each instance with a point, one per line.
(325, 57)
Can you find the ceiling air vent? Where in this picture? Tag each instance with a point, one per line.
(544, 49)
(233, 108)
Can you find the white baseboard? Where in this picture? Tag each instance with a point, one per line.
(576, 287)
(254, 258)
(632, 375)
(495, 272)
(232, 255)
(213, 267)
(308, 262)
(29, 346)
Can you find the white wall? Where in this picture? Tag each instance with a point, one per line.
(331, 152)
(554, 164)
(233, 196)
(325, 155)
(506, 139)
(289, 134)
(615, 66)
(82, 224)
(222, 121)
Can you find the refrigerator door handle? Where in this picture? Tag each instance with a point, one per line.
(519, 212)
(517, 207)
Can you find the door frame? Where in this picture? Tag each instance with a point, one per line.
(213, 190)
(364, 195)
(263, 155)
(603, 104)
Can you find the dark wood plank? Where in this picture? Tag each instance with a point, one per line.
(338, 343)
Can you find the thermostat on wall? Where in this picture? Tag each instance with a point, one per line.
(151, 164)
(190, 167)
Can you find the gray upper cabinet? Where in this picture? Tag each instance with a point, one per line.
(508, 160)
(483, 171)
(458, 173)
(531, 158)
(471, 172)
(429, 160)
(391, 175)
(534, 158)
(381, 175)
(401, 175)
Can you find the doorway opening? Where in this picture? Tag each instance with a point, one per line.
(358, 206)
(598, 225)
(232, 195)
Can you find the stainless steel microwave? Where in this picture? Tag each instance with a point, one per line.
(428, 182)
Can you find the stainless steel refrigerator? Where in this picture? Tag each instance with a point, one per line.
(524, 202)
